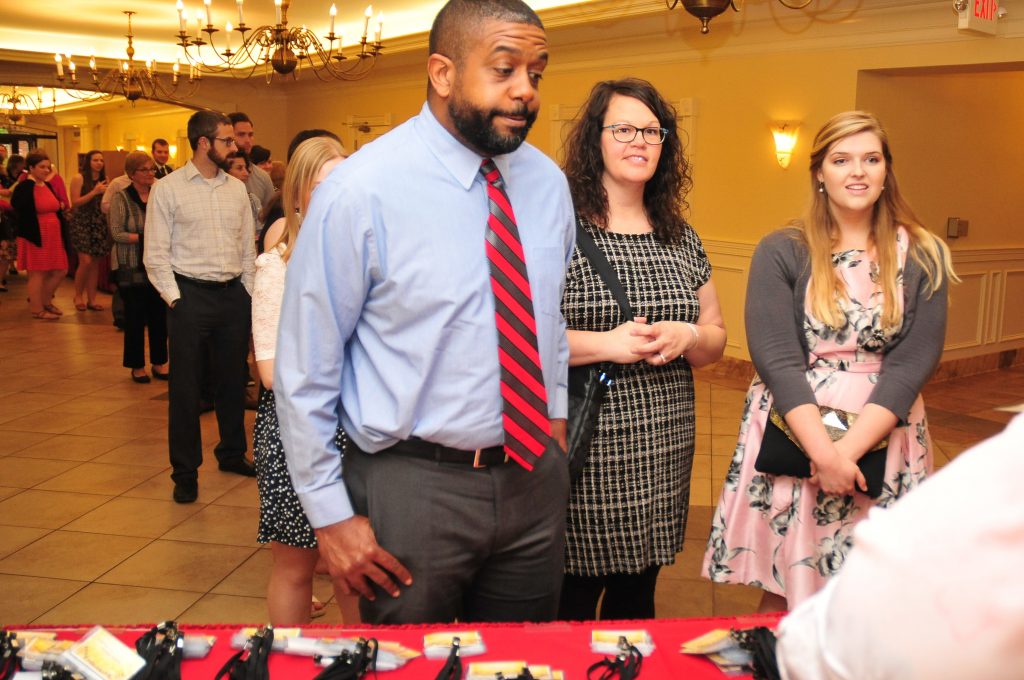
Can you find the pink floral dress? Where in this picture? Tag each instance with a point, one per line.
(783, 534)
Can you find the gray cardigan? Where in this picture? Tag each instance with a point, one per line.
(774, 316)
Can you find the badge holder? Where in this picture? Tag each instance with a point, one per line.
(623, 666)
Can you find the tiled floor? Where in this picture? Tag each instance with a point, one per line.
(88, 531)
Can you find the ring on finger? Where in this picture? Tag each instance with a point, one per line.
(663, 359)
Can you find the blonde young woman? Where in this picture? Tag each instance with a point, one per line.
(845, 308)
(283, 524)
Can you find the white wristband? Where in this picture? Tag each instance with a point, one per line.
(696, 333)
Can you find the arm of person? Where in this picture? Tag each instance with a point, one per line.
(621, 345)
(117, 219)
(781, 361)
(329, 277)
(108, 195)
(703, 342)
(157, 247)
(77, 197)
(266, 311)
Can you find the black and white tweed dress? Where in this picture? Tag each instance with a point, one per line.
(628, 509)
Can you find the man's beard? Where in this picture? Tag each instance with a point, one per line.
(218, 160)
(477, 127)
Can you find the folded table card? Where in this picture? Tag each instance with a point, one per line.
(610, 641)
(439, 645)
(99, 655)
(489, 670)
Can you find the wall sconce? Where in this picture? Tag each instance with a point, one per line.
(784, 133)
(173, 149)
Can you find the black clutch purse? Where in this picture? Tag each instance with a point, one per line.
(589, 384)
(780, 454)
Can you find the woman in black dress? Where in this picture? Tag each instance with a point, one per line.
(627, 511)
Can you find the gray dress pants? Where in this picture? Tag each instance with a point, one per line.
(482, 544)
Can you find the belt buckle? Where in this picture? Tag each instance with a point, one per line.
(476, 460)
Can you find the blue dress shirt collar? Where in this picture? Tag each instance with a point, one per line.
(462, 162)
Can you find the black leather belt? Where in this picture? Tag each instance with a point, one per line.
(480, 458)
(200, 283)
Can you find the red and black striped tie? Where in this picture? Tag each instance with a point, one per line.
(525, 411)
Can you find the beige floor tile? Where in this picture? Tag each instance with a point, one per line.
(100, 478)
(119, 605)
(47, 509)
(723, 445)
(124, 425)
(8, 491)
(13, 538)
(229, 609)
(24, 598)
(735, 600)
(178, 565)
(71, 555)
(212, 483)
(701, 467)
(48, 420)
(676, 598)
(700, 492)
(27, 472)
(245, 495)
(219, 524)
(250, 578)
(131, 390)
(698, 522)
(150, 451)
(71, 447)
(688, 561)
(143, 517)
(146, 408)
(96, 405)
(70, 386)
(12, 441)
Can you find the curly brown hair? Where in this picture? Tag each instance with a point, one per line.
(664, 194)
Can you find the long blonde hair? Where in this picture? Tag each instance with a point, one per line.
(303, 168)
(891, 211)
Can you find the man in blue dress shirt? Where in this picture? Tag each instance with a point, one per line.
(388, 326)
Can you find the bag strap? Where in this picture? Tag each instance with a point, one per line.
(604, 269)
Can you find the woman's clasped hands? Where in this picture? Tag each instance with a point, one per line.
(657, 343)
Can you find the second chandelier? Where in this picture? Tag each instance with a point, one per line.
(276, 49)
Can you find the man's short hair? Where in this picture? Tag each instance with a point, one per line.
(459, 20)
(303, 135)
(158, 142)
(238, 117)
(259, 154)
(204, 124)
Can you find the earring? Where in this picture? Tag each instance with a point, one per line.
(821, 187)
(883, 187)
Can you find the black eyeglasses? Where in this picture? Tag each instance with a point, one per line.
(147, 169)
(624, 133)
(227, 141)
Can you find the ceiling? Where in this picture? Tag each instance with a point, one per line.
(84, 27)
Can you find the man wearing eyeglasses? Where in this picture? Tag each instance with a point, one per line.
(200, 256)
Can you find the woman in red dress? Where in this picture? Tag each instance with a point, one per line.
(40, 245)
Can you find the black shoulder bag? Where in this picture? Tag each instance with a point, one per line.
(589, 384)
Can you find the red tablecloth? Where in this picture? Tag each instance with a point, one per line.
(564, 646)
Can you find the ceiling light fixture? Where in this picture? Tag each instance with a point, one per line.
(127, 79)
(278, 48)
(706, 10)
(14, 105)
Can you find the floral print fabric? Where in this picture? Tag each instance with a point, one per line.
(783, 534)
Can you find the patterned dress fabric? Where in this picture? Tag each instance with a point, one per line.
(627, 511)
(51, 254)
(89, 232)
(783, 534)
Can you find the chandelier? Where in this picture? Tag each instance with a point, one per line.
(706, 10)
(14, 105)
(127, 79)
(276, 49)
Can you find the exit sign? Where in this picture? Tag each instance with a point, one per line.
(979, 17)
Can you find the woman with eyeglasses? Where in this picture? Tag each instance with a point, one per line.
(143, 307)
(627, 511)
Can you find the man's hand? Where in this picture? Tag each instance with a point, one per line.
(353, 555)
(560, 433)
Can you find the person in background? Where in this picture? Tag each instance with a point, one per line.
(846, 308)
(627, 512)
(8, 218)
(303, 135)
(932, 587)
(90, 235)
(392, 296)
(200, 255)
(143, 307)
(283, 523)
(161, 154)
(40, 214)
(238, 167)
(259, 184)
(260, 157)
